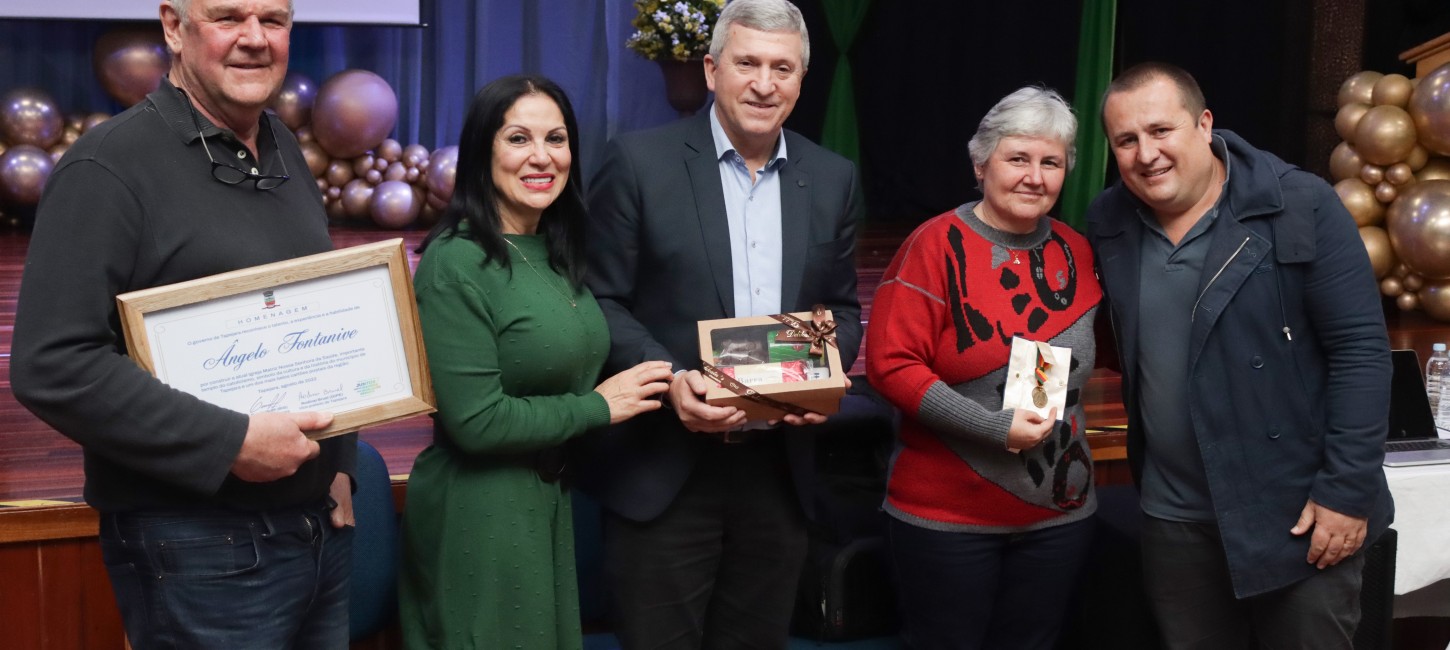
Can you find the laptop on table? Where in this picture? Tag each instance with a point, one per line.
(1413, 439)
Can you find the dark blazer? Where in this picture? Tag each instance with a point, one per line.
(1289, 364)
(659, 262)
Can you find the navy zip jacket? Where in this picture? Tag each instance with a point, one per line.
(1289, 365)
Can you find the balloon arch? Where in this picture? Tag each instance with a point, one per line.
(1392, 172)
(342, 127)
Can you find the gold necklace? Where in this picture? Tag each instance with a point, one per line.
(542, 279)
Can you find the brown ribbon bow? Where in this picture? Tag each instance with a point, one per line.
(819, 332)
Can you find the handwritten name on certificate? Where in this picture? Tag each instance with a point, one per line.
(322, 344)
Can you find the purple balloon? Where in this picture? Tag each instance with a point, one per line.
(354, 111)
(293, 103)
(130, 62)
(30, 116)
(395, 205)
(442, 172)
(23, 170)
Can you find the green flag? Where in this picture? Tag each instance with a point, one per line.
(1094, 71)
(840, 132)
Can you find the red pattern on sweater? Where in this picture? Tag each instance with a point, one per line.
(914, 341)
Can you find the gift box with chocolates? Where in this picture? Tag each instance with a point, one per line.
(771, 366)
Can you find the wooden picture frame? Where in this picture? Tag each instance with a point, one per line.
(337, 331)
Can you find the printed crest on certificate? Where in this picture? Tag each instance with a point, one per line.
(336, 332)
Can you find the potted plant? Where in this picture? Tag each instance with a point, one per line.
(676, 34)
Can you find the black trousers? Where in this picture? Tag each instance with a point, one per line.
(719, 569)
(1187, 580)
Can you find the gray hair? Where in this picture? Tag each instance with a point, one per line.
(761, 15)
(181, 7)
(1031, 112)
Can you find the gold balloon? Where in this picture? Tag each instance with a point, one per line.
(1381, 254)
(395, 172)
(1435, 300)
(1385, 135)
(362, 164)
(1372, 174)
(1392, 90)
(1358, 199)
(390, 151)
(94, 120)
(1419, 227)
(1386, 192)
(1359, 87)
(1400, 269)
(316, 158)
(1344, 163)
(1400, 174)
(339, 172)
(1430, 110)
(1436, 169)
(335, 210)
(415, 155)
(1408, 301)
(1417, 158)
(1412, 282)
(1347, 118)
(356, 197)
(1391, 287)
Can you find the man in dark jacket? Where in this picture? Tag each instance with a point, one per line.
(1255, 374)
(219, 529)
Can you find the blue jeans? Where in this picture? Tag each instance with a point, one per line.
(228, 579)
(964, 591)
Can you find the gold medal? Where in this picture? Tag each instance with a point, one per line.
(1039, 397)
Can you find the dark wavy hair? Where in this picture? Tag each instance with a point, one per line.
(475, 199)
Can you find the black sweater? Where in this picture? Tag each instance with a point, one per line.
(133, 205)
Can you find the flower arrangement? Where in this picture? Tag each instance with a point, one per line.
(678, 30)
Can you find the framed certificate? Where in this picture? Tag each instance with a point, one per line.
(336, 332)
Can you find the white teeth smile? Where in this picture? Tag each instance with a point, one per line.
(538, 181)
(1158, 172)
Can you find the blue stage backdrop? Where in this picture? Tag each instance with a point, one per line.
(434, 69)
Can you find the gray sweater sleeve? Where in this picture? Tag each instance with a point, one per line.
(952, 414)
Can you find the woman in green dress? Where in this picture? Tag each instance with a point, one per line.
(515, 343)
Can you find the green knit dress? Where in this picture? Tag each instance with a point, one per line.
(488, 547)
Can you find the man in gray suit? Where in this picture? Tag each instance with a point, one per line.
(725, 214)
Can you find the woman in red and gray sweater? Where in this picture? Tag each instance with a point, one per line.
(990, 508)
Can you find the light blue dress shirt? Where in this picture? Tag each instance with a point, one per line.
(753, 210)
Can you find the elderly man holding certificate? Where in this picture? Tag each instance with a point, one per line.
(219, 529)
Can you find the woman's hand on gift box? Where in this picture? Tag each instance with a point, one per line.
(685, 395)
(633, 391)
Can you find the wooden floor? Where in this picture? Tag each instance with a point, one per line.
(36, 463)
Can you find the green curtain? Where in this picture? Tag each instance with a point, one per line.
(1094, 71)
(840, 133)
